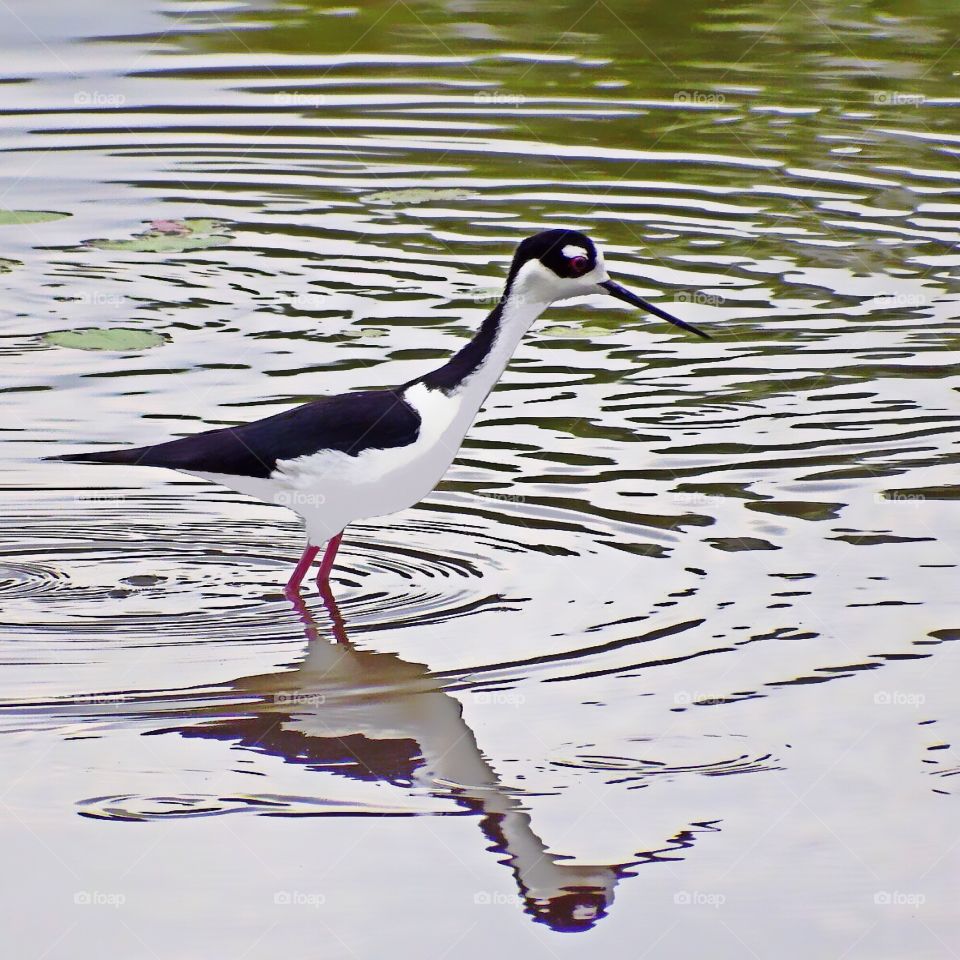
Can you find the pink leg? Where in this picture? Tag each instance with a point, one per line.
(336, 620)
(326, 565)
(293, 584)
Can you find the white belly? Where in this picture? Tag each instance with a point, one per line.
(331, 489)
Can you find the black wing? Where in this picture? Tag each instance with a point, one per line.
(348, 422)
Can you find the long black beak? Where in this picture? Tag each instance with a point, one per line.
(622, 293)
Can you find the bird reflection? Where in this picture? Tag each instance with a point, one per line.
(375, 716)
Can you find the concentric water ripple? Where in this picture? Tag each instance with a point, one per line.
(127, 575)
(637, 771)
(139, 809)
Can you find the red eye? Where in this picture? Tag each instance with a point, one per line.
(579, 265)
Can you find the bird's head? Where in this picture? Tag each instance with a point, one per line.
(559, 264)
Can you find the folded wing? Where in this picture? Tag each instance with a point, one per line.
(348, 422)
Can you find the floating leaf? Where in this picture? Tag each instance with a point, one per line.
(115, 338)
(7, 265)
(737, 544)
(172, 236)
(418, 195)
(583, 332)
(177, 227)
(363, 333)
(29, 216)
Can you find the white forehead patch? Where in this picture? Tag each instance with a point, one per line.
(538, 284)
(570, 251)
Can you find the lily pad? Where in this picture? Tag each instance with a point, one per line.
(177, 227)
(7, 265)
(15, 217)
(115, 338)
(418, 195)
(586, 331)
(364, 333)
(172, 236)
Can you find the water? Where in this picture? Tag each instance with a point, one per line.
(665, 664)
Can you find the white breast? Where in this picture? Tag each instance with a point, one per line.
(331, 489)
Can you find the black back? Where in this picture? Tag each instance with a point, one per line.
(349, 422)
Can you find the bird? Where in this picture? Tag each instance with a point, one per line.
(373, 452)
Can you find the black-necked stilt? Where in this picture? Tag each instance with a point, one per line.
(374, 452)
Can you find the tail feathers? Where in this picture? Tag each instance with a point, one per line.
(133, 455)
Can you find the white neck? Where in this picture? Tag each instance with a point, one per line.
(517, 315)
(472, 373)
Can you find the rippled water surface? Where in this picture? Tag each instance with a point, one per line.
(667, 664)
